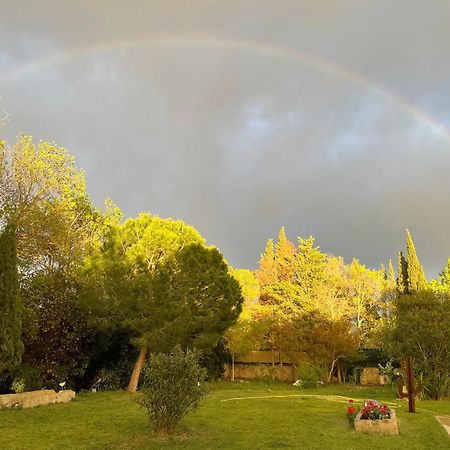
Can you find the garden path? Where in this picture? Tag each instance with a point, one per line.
(445, 422)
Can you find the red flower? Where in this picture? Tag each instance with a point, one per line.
(351, 401)
(350, 410)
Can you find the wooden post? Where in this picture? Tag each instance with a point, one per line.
(411, 399)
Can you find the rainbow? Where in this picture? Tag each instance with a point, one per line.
(265, 49)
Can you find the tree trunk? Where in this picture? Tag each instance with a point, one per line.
(134, 379)
(330, 374)
(232, 367)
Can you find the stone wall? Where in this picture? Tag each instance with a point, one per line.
(35, 398)
(262, 365)
(371, 376)
(261, 371)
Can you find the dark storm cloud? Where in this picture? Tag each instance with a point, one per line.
(239, 142)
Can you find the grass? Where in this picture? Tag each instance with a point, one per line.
(286, 417)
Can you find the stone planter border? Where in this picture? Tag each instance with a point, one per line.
(387, 426)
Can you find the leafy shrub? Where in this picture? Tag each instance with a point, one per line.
(308, 375)
(172, 388)
(18, 385)
(387, 370)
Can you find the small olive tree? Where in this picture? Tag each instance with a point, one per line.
(173, 386)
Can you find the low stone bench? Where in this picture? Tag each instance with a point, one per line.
(35, 398)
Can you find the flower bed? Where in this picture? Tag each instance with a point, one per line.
(373, 417)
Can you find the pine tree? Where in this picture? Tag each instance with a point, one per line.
(11, 346)
(402, 277)
(416, 275)
(284, 255)
(267, 272)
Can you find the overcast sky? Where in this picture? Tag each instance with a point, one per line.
(326, 117)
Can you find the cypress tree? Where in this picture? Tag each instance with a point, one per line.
(383, 271)
(391, 273)
(11, 347)
(402, 278)
(416, 275)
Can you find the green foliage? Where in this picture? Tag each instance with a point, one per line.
(387, 370)
(421, 330)
(213, 361)
(18, 385)
(57, 335)
(267, 272)
(120, 275)
(402, 274)
(310, 265)
(173, 386)
(284, 257)
(156, 277)
(445, 275)
(321, 308)
(194, 300)
(442, 287)
(416, 275)
(31, 377)
(11, 347)
(43, 193)
(111, 357)
(352, 412)
(308, 375)
(249, 285)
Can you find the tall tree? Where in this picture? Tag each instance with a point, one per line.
(193, 299)
(402, 274)
(310, 265)
(11, 346)
(416, 274)
(284, 257)
(365, 292)
(267, 272)
(149, 273)
(421, 329)
(41, 191)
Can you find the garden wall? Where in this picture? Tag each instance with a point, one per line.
(35, 398)
(262, 365)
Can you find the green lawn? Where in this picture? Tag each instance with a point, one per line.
(112, 420)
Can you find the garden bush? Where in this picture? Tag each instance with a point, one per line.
(173, 386)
